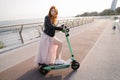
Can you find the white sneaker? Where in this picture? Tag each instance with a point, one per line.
(59, 61)
(68, 61)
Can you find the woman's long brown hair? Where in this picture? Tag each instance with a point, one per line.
(53, 19)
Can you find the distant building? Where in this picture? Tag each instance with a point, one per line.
(113, 6)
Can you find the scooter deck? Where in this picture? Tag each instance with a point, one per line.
(54, 67)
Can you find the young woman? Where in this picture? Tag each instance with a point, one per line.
(50, 46)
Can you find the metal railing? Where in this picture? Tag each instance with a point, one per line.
(23, 33)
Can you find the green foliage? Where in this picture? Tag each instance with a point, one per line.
(103, 13)
(1, 45)
(117, 11)
(90, 14)
(107, 12)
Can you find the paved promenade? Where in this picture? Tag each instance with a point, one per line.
(95, 46)
(102, 61)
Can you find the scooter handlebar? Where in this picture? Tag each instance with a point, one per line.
(65, 28)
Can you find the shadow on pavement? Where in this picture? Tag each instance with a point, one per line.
(70, 76)
(35, 75)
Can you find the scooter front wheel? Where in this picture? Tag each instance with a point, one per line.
(75, 65)
(43, 71)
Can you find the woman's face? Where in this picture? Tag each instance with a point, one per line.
(53, 12)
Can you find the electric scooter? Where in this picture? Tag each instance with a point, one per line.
(44, 69)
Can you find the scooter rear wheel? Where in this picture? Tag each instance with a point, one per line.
(75, 65)
(42, 70)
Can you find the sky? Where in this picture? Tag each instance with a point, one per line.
(30, 9)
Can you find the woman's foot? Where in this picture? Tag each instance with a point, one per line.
(59, 61)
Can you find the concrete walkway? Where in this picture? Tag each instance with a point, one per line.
(13, 57)
(19, 64)
(103, 61)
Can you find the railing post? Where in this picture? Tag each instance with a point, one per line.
(66, 22)
(20, 33)
(41, 28)
(78, 22)
(73, 23)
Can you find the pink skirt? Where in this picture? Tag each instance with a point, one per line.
(47, 50)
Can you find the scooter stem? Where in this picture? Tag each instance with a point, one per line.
(69, 45)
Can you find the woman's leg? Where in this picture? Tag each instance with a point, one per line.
(59, 44)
